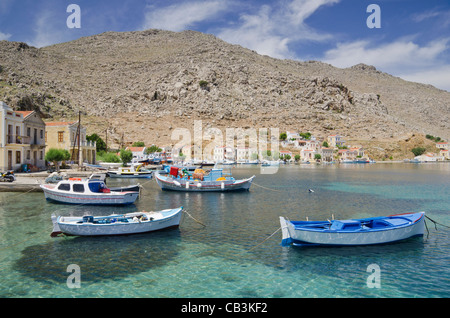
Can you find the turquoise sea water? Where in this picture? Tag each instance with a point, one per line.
(233, 256)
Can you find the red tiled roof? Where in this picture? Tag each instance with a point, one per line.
(25, 113)
(135, 149)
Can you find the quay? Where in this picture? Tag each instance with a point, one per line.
(30, 181)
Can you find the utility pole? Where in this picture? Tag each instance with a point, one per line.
(79, 137)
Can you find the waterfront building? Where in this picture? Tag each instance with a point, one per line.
(21, 139)
(64, 135)
(138, 152)
(335, 141)
(326, 154)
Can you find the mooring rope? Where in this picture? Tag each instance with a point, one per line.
(435, 222)
(193, 218)
(265, 187)
(265, 239)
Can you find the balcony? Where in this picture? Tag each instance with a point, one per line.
(16, 139)
(86, 143)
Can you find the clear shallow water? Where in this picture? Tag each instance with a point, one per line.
(229, 257)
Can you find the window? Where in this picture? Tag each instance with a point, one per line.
(64, 187)
(78, 188)
(60, 136)
(28, 131)
(28, 154)
(42, 133)
(17, 156)
(41, 156)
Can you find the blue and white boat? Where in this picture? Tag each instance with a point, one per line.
(116, 224)
(87, 191)
(369, 231)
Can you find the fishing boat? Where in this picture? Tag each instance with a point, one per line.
(177, 179)
(116, 224)
(85, 191)
(134, 171)
(102, 177)
(369, 231)
(267, 163)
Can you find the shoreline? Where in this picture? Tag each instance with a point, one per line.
(30, 182)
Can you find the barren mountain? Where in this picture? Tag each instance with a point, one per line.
(142, 85)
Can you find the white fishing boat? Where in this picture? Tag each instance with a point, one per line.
(116, 224)
(85, 191)
(369, 231)
(177, 179)
(134, 171)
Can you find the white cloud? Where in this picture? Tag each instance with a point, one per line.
(4, 36)
(402, 58)
(258, 32)
(437, 76)
(178, 17)
(385, 56)
(273, 28)
(50, 28)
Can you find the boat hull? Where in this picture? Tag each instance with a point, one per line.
(112, 198)
(205, 186)
(408, 225)
(129, 175)
(170, 218)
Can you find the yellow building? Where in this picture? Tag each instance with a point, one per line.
(21, 139)
(63, 135)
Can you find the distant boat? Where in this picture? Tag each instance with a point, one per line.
(130, 172)
(116, 224)
(377, 230)
(87, 192)
(267, 163)
(177, 179)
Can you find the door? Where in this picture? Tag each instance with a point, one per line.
(10, 134)
(9, 159)
(35, 158)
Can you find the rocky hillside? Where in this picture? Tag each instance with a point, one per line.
(144, 84)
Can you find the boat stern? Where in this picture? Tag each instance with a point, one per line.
(286, 239)
(56, 230)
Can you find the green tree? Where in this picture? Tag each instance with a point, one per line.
(325, 144)
(138, 144)
(283, 136)
(55, 155)
(306, 135)
(111, 157)
(418, 151)
(153, 149)
(100, 144)
(126, 156)
(317, 156)
(297, 157)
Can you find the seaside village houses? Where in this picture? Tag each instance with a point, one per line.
(22, 140)
(64, 135)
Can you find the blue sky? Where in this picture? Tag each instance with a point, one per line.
(412, 43)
